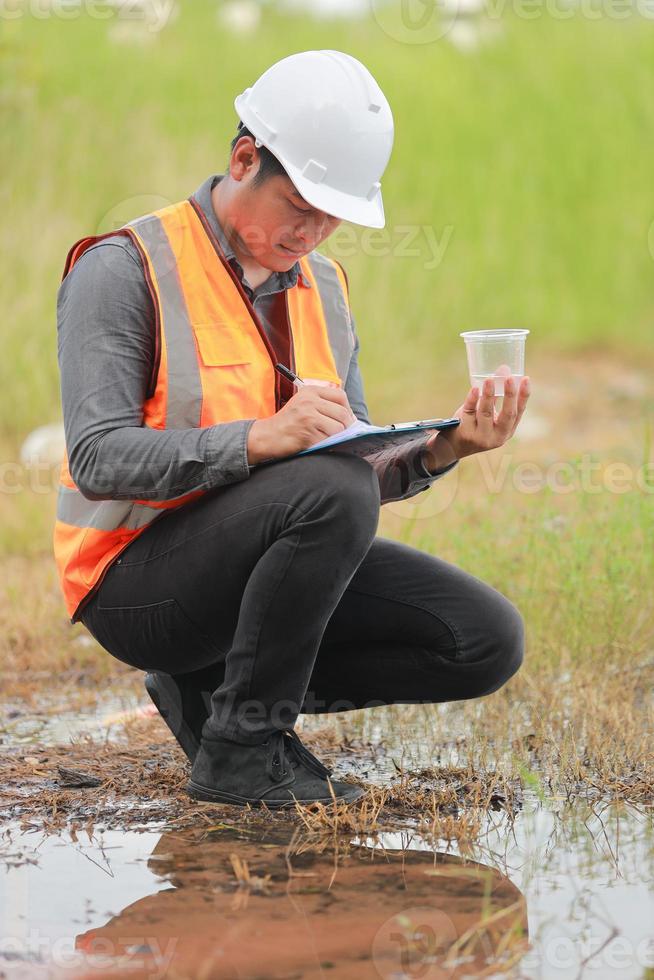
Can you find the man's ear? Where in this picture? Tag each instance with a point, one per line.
(245, 159)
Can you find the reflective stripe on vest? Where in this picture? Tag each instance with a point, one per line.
(104, 515)
(214, 366)
(330, 281)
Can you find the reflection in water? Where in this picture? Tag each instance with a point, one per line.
(585, 872)
(272, 907)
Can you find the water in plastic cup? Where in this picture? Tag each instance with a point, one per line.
(495, 354)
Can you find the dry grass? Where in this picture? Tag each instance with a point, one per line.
(141, 778)
(37, 641)
(143, 782)
(574, 723)
(576, 733)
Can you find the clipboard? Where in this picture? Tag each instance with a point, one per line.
(362, 439)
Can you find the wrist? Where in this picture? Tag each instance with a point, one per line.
(257, 442)
(438, 453)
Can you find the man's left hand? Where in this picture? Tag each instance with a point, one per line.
(481, 427)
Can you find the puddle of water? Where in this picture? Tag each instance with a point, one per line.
(574, 879)
(586, 877)
(170, 903)
(21, 726)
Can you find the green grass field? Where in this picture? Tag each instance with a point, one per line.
(529, 162)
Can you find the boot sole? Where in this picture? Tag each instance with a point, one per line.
(218, 796)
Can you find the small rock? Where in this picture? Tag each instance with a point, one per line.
(45, 445)
(239, 16)
(556, 523)
(84, 640)
(73, 779)
(326, 9)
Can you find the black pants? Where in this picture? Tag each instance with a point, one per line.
(279, 587)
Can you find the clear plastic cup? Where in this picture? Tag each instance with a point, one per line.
(495, 354)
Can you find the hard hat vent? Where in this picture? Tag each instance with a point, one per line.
(374, 191)
(314, 171)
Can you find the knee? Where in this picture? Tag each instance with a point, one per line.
(491, 642)
(506, 645)
(348, 487)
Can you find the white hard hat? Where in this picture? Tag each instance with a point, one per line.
(325, 118)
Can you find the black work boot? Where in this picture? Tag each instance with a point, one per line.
(274, 773)
(184, 701)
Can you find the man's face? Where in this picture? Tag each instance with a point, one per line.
(273, 223)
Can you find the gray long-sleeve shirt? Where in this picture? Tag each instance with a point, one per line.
(106, 334)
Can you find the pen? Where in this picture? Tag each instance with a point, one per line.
(288, 374)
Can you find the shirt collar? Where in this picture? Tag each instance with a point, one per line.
(277, 280)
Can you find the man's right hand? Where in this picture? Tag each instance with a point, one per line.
(313, 413)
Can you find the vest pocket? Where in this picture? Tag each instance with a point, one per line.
(221, 344)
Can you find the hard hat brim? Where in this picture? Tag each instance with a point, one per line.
(338, 204)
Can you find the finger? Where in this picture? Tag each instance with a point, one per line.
(332, 410)
(506, 419)
(469, 406)
(339, 396)
(523, 398)
(324, 427)
(329, 393)
(486, 410)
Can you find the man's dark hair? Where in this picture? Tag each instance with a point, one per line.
(269, 164)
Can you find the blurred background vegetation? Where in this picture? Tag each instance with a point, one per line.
(523, 152)
(530, 157)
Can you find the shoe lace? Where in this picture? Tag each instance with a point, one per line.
(294, 751)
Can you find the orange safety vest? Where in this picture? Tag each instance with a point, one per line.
(213, 364)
